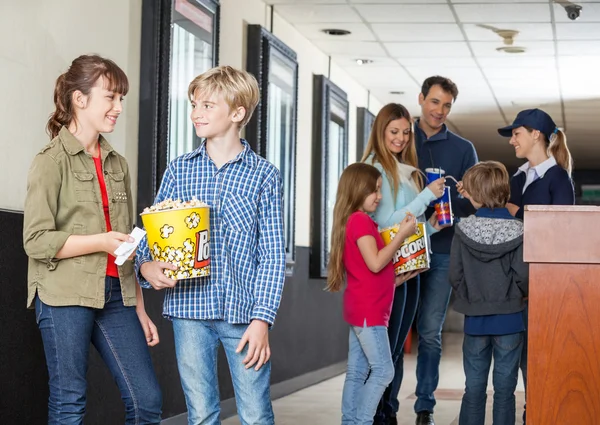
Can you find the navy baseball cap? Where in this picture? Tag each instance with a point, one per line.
(532, 118)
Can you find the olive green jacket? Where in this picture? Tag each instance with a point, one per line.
(64, 199)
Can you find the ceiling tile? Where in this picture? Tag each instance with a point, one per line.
(395, 1)
(300, 14)
(578, 31)
(357, 48)
(418, 32)
(412, 13)
(533, 48)
(428, 49)
(590, 13)
(508, 73)
(579, 48)
(393, 77)
(527, 32)
(517, 61)
(358, 31)
(490, 13)
(349, 61)
(498, 1)
(276, 2)
(466, 62)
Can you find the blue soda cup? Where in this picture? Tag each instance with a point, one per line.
(443, 208)
(432, 175)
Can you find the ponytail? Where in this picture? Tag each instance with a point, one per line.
(559, 150)
(63, 114)
(82, 75)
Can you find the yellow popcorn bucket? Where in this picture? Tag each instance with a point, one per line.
(414, 251)
(180, 236)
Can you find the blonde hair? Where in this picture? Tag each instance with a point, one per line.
(358, 181)
(556, 146)
(488, 184)
(238, 88)
(381, 153)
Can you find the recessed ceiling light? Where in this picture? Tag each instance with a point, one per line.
(511, 49)
(363, 61)
(399, 93)
(335, 31)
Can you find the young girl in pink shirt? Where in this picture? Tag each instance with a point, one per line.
(359, 255)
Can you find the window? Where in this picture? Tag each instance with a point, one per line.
(272, 130)
(179, 42)
(365, 120)
(330, 157)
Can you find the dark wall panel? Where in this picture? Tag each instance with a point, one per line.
(308, 335)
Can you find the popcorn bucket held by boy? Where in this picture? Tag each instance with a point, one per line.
(178, 233)
(413, 254)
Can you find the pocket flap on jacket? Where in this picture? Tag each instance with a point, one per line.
(84, 176)
(117, 176)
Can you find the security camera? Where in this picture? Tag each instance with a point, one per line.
(573, 11)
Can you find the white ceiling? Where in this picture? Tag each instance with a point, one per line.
(410, 40)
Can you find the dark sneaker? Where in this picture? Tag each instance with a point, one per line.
(424, 418)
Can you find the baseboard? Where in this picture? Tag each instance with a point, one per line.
(279, 390)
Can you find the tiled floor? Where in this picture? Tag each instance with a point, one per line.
(320, 404)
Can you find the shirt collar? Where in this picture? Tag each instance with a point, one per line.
(493, 213)
(440, 135)
(540, 169)
(247, 156)
(73, 146)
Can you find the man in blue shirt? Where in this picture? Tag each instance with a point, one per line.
(437, 147)
(237, 303)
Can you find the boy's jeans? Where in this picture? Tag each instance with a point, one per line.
(196, 346)
(477, 358)
(117, 334)
(369, 351)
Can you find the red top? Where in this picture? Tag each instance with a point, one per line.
(111, 267)
(368, 295)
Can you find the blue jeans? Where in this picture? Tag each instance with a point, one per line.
(433, 303)
(369, 372)
(406, 299)
(196, 345)
(477, 358)
(116, 333)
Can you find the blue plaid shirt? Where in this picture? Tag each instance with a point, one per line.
(246, 238)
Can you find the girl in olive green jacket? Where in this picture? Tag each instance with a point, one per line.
(78, 210)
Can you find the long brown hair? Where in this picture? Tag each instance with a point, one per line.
(381, 154)
(556, 146)
(82, 75)
(358, 181)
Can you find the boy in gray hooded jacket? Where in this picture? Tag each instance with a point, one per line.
(490, 280)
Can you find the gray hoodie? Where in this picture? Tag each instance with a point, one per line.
(487, 270)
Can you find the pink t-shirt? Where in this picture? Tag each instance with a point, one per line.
(368, 295)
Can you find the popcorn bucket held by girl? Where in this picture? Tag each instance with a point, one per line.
(178, 233)
(413, 254)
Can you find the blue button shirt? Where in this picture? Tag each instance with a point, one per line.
(246, 238)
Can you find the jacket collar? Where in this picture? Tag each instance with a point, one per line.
(440, 135)
(73, 146)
